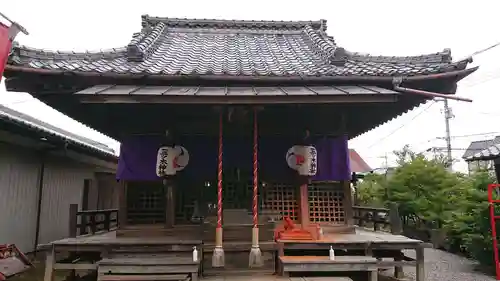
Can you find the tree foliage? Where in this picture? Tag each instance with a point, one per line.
(436, 198)
(371, 190)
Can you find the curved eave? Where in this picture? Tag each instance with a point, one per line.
(457, 74)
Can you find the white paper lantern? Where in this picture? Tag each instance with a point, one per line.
(303, 159)
(170, 160)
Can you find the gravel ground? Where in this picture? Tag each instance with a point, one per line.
(443, 266)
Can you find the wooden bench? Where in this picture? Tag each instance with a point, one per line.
(322, 279)
(324, 264)
(176, 277)
(157, 268)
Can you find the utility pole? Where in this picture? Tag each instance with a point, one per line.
(448, 114)
(386, 164)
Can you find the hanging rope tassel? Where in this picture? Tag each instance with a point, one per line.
(218, 254)
(255, 259)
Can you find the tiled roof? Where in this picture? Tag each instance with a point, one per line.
(169, 46)
(476, 147)
(25, 121)
(487, 150)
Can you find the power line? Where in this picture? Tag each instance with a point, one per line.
(404, 124)
(457, 148)
(478, 52)
(475, 135)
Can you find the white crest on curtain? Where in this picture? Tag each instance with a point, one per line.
(303, 159)
(170, 160)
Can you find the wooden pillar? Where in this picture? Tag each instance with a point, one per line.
(348, 210)
(73, 232)
(49, 265)
(420, 264)
(73, 220)
(304, 205)
(122, 208)
(170, 203)
(396, 229)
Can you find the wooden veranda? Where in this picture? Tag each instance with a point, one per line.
(371, 248)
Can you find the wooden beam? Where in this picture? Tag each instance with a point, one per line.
(349, 212)
(122, 209)
(169, 204)
(420, 276)
(49, 265)
(73, 220)
(304, 205)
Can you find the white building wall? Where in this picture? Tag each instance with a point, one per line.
(19, 173)
(63, 185)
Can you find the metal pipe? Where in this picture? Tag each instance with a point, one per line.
(429, 94)
(39, 201)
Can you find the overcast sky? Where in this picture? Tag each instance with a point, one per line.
(380, 27)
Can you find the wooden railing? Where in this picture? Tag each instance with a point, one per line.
(92, 221)
(379, 218)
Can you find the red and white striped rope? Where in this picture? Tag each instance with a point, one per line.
(219, 176)
(255, 169)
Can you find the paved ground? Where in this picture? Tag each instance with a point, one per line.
(443, 266)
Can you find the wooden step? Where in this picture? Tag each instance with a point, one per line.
(239, 246)
(146, 255)
(338, 229)
(153, 266)
(324, 264)
(326, 259)
(191, 232)
(237, 272)
(234, 216)
(162, 260)
(239, 232)
(141, 277)
(147, 269)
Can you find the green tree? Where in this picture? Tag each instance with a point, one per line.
(469, 226)
(423, 188)
(371, 190)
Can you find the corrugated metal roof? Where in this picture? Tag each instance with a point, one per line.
(234, 91)
(30, 123)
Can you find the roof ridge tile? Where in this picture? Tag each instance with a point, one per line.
(222, 23)
(334, 54)
(439, 57)
(36, 53)
(140, 45)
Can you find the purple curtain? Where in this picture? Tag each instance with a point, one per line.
(138, 157)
